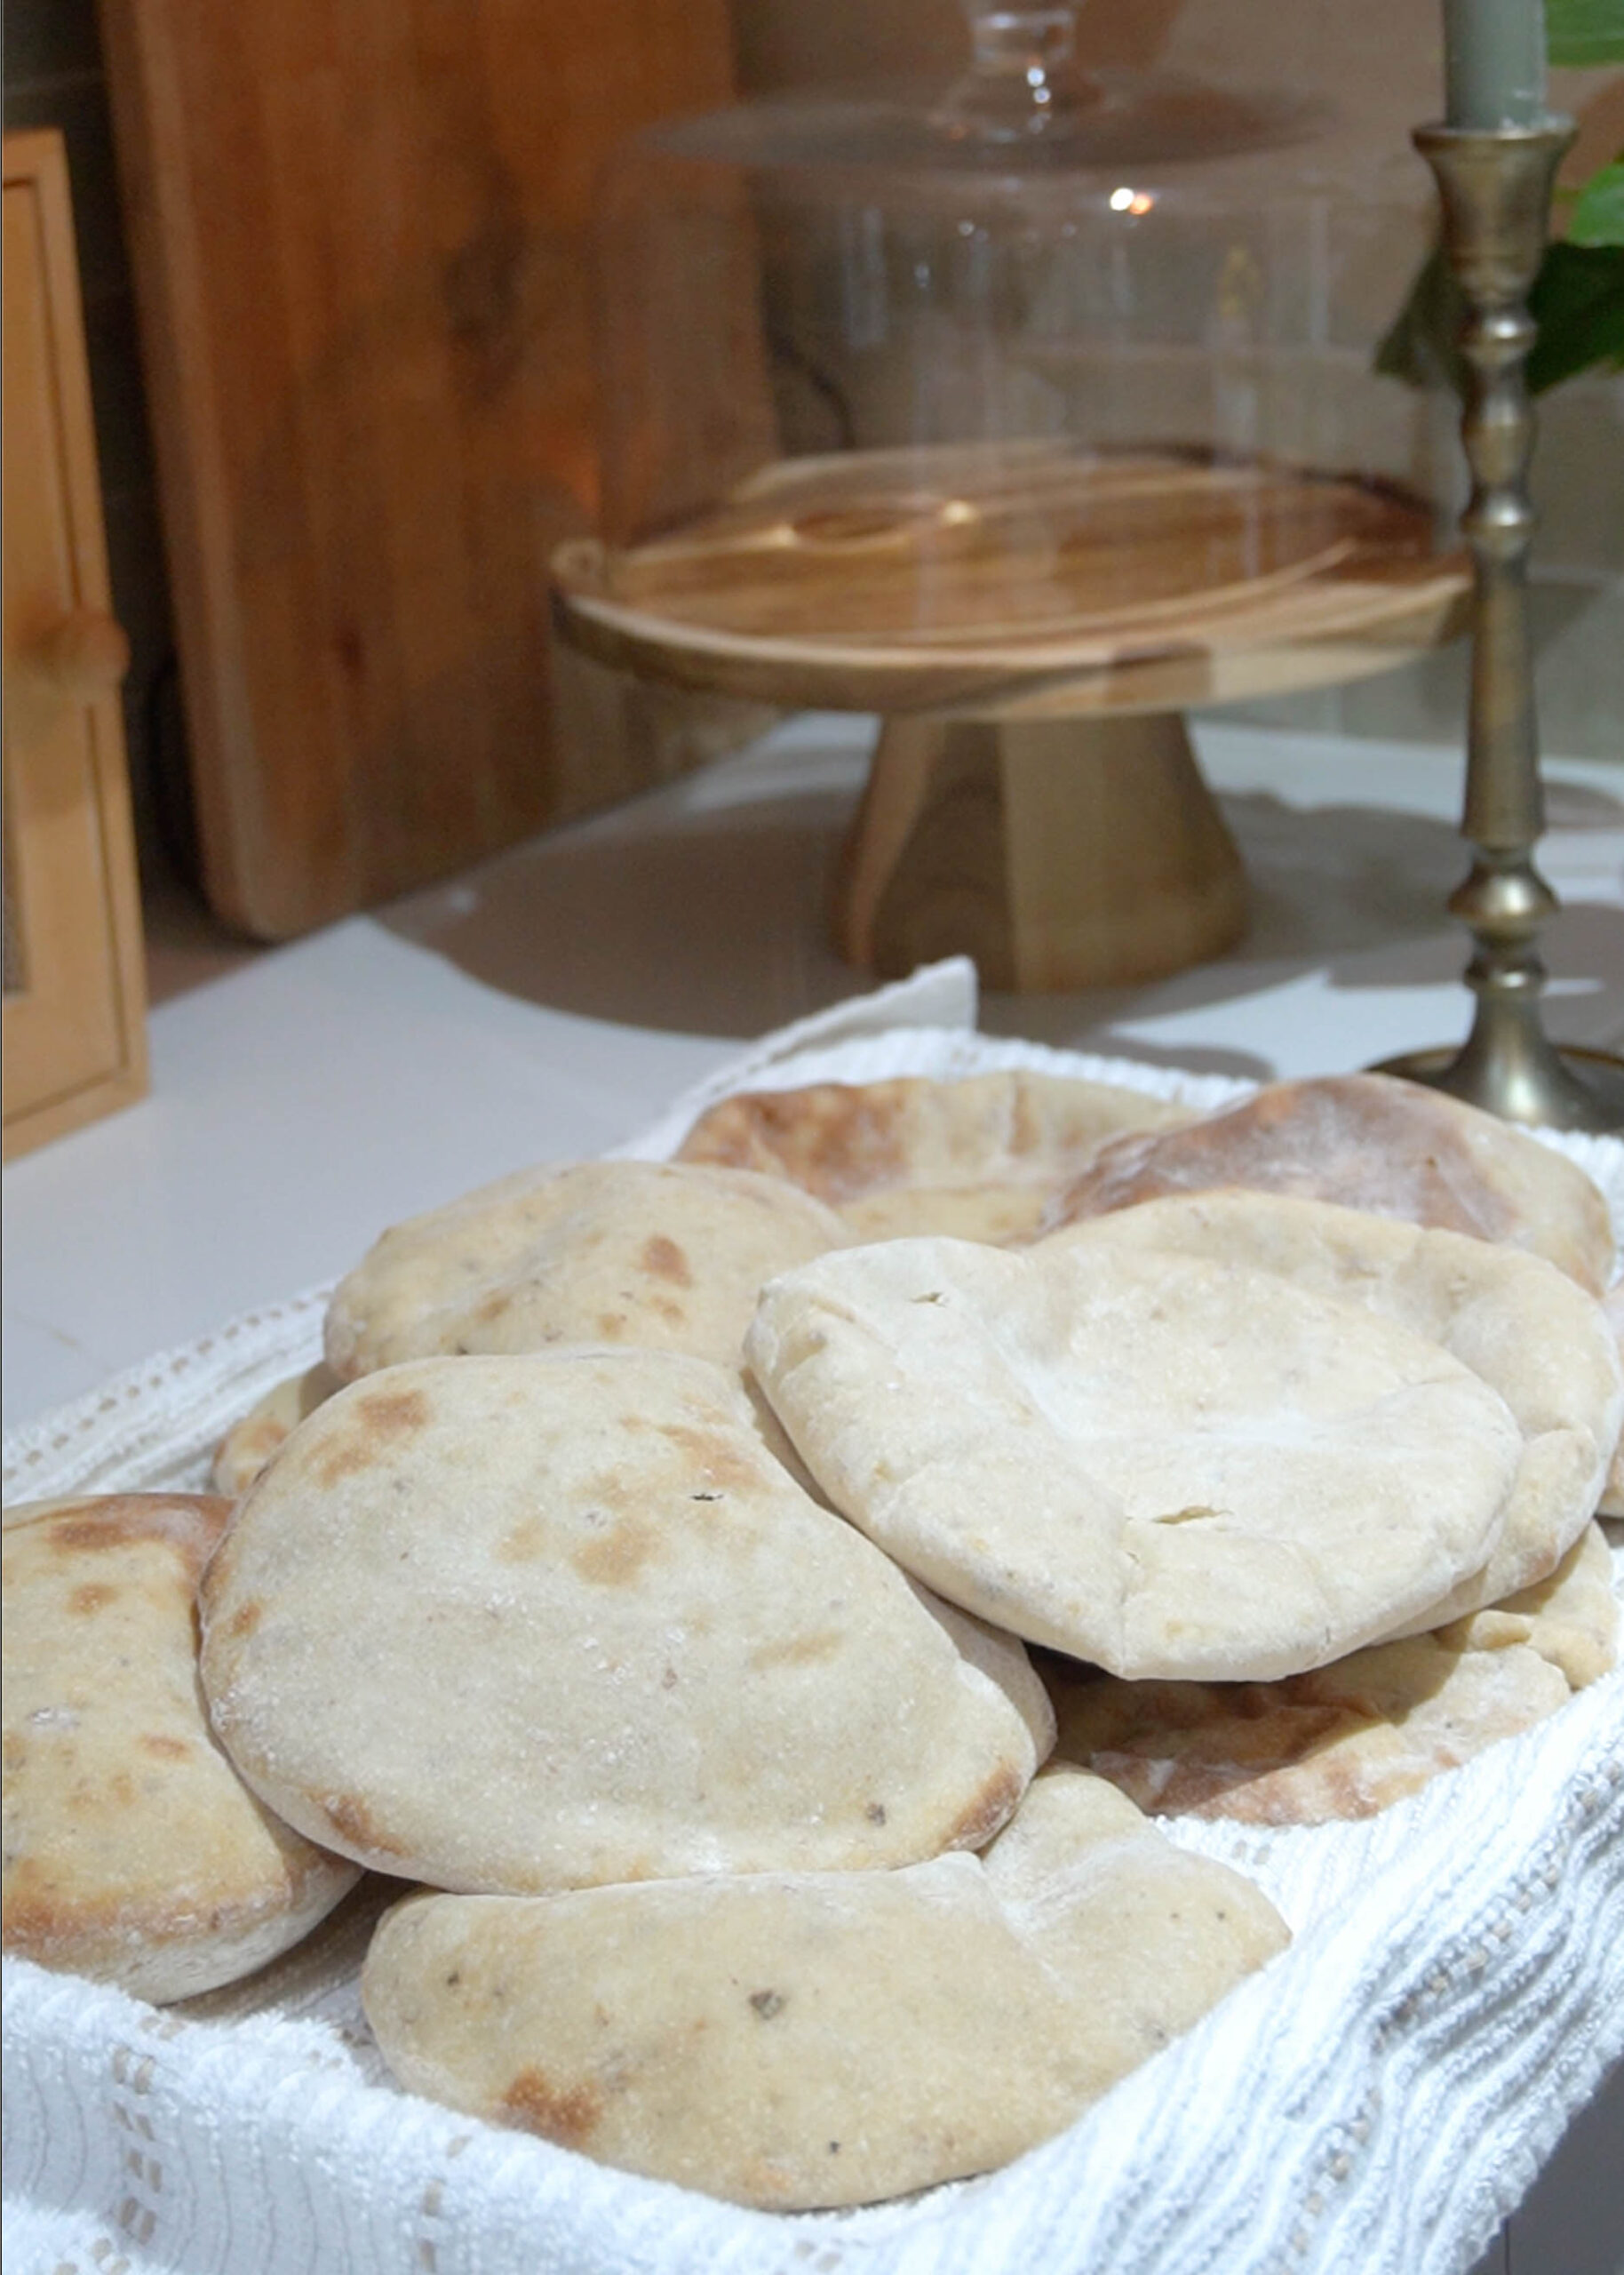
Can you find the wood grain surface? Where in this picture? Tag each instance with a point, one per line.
(74, 1034)
(1022, 579)
(360, 236)
(1030, 615)
(1058, 853)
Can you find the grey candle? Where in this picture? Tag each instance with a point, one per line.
(1493, 62)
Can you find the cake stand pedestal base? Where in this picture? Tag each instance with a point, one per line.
(1059, 853)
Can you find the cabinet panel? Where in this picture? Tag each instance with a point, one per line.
(73, 1003)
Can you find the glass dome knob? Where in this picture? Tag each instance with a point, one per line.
(1025, 82)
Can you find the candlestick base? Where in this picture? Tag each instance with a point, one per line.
(1551, 1086)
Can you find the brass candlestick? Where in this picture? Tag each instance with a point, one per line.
(1495, 187)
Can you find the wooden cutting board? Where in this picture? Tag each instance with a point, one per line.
(360, 230)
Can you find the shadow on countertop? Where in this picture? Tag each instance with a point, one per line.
(714, 921)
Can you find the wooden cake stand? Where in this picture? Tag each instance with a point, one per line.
(1031, 619)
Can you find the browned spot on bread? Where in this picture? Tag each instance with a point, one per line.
(526, 1541)
(344, 1460)
(608, 1489)
(663, 1259)
(353, 1822)
(720, 1459)
(370, 1424)
(1365, 1140)
(990, 1809)
(834, 1139)
(797, 1650)
(166, 1749)
(611, 1326)
(861, 1139)
(242, 1622)
(727, 1136)
(37, 1913)
(394, 1413)
(612, 1558)
(87, 1798)
(191, 1522)
(566, 2114)
(92, 1596)
(48, 1920)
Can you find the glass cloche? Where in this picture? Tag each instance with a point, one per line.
(1044, 393)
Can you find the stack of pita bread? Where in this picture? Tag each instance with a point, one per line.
(761, 1600)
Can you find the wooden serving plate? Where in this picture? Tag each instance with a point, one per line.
(1009, 607)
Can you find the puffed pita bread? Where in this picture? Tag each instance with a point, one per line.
(1356, 1736)
(980, 1158)
(1515, 1320)
(133, 1852)
(1159, 1464)
(249, 1444)
(1613, 1492)
(659, 1255)
(541, 1621)
(1372, 1142)
(822, 2039)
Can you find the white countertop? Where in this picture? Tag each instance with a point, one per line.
(552, 1002)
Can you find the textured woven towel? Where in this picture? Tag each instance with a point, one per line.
(1376, 2100)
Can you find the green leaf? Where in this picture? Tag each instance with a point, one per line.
(1420, 346)
(1578, 303)
(1579, 33)
(1598, 218)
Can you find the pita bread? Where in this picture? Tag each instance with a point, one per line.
(133, 1853)
(1570, 1618)
(1613, 1492)
(1372, 1142)
(541, 1621)
(29, 1513)
(1515, 1321)
(1162, 1465)
(1352, 1738)
(979, 1159)
(647, 1253)
(794, 2041)
(249, 1444)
